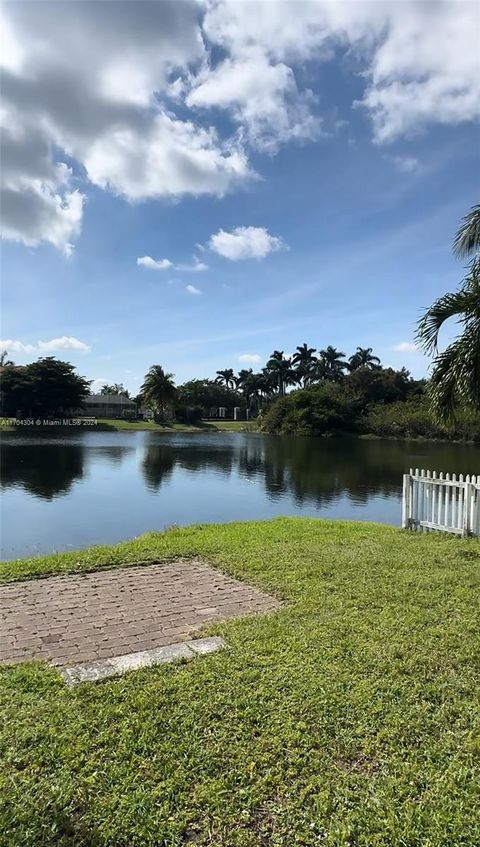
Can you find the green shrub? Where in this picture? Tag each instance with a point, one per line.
(329, 409)
(189, 414)
(413, 419)
(320, 410)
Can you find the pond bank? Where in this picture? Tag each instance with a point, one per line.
(203, 427)
(113, 425)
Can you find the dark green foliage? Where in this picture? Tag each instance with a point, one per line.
(363, 358)
(158, 391)
(227, 378)
(381, 385)
(189, 414)
(117, 388)
(320, 410)
(45, 388)
(304, 361)
(414, 419)
(207, 393)
(280, 372)
(381, 402)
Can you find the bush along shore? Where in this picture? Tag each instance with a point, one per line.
(330, 410)
(349, 716)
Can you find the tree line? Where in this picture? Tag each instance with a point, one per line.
(51, 387)
(302, 369)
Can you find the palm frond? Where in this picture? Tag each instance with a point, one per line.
(467, 239)
(450, 305)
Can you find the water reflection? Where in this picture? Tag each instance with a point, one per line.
(157, 465)
(47, 467)
(310, 471)
(316, 471)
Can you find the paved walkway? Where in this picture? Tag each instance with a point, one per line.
(79, 618)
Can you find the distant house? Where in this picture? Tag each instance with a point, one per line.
(109, 406)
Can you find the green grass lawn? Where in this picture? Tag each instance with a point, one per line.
(350, 717)
(174, 426)
(148, 426)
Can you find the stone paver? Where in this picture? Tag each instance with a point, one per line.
(104, 668)
(81, 618)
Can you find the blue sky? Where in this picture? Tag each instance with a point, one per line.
(318, 188)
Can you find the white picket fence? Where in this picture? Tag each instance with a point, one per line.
(445, 503)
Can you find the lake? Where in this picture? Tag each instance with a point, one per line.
(82, 488)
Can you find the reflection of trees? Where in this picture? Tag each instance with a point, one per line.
(47, 466)
(205, 457)
(114, 454)
(311, 469)
(157, 465)
(322, 470)
(196, 454)
(46, 471)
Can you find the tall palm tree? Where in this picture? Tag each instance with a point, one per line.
(5, 362)
(363, 358)
(158, 390)
(280, 371)
(244, 383)
(227, 378)
(304, 361)
(331, 364)
(254, 387)
(455, 379)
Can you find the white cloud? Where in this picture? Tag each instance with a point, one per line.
(166, 264)
(95, 84)
(65, 342)
(250, 358)
(245, 242)
(420, 60)
(85, 81)
(192, 290)
(154, 264)
(425, 69)
(164, 157)
(37, 214)
(405, 347)
(264, 99)
(195, 267)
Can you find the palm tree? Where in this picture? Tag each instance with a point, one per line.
(227, 378)
(244, 382)
(254, 387)
(304, 361)
(363, 358)
(116, 388)
(280, 372)
(455, 379)
(158, 390)
(331, 364)
(4, 361)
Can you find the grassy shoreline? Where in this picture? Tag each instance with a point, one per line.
(351, 716)
(111, 425)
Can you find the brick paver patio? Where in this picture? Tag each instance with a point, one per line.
(80, 618)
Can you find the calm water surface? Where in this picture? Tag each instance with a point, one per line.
(68, 492)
